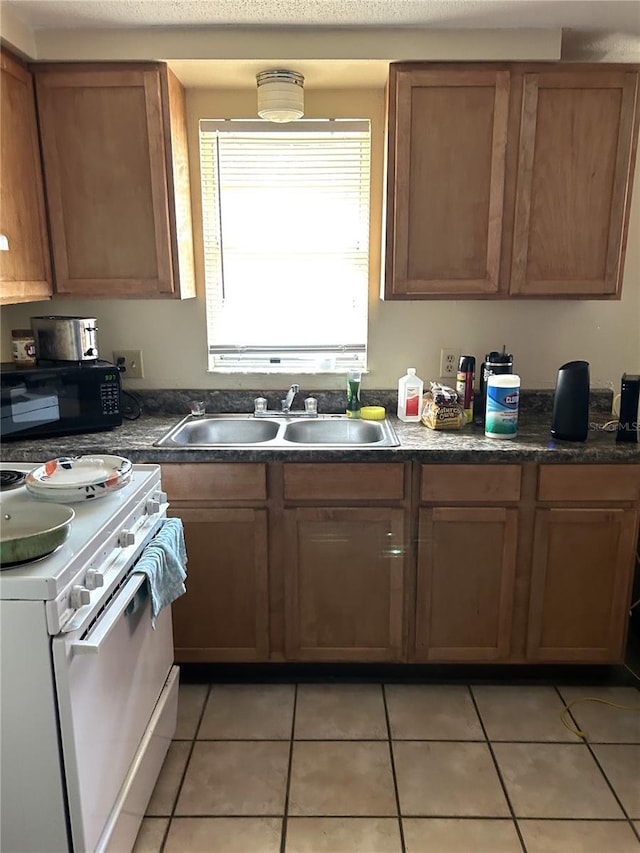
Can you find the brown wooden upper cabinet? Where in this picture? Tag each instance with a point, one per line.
(25, 268)
(509, 180)
(117, 180)
(446, 174)
(573, 186)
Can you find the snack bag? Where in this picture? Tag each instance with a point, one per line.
(441, 408)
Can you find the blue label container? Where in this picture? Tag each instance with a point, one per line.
(503, 395)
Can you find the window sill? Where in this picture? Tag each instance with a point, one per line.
(282, 371)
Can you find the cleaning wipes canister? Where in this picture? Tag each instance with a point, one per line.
(503, 393)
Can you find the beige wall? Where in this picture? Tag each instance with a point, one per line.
(297, 43)
(16, 34)
(541, 334)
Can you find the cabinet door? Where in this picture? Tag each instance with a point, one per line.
(109, 180)
(466, 570)
(573, 193)
(224, 614)
(344, 579)
(25, 271)
(580, 585)
(446, 174)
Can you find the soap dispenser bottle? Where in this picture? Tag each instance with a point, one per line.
(353, 393)
(410, 389)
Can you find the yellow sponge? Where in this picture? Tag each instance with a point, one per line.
(373, 413)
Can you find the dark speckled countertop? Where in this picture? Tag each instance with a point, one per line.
(135, 440)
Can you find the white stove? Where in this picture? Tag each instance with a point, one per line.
(106, 535)
(87, 686)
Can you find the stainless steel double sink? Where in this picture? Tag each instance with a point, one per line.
(200, 433)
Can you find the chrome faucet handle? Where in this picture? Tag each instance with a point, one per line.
(291, 393)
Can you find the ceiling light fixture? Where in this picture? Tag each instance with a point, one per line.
(280, 95)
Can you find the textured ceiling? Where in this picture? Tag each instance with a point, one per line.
(613, 16)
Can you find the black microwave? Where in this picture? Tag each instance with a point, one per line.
(57, 399)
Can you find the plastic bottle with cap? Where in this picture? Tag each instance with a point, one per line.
(503, 394)
(464, 385)
(410, 389)
(353, 393)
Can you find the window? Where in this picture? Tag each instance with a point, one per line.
(286, 243)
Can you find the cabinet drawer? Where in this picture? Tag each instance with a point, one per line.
(589, 483)
(344, 481)
(215, 482)
(469, 483)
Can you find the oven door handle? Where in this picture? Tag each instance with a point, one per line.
(97, 636)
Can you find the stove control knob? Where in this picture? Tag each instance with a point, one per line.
(153, 507)
(161, 497)
(80, 596)
(126, 538)
(94, 579)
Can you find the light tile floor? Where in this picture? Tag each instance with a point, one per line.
(389, 768)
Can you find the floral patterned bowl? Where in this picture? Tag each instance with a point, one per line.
(80, 478)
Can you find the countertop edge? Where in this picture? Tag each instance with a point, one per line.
(136, 441)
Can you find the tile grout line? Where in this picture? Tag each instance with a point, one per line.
(393, 768)
(165, 835)
(186, 765)
(599, 766)
(418, 816)
(564, 819)
(406, 740)
(283, 836)
(495, 764)
(342, 740)
(358, 817)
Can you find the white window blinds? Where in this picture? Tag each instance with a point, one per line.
(286, 243)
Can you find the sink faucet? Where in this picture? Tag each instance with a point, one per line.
(310, 406)
(288, 401)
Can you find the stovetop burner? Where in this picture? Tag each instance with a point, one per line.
(11, 479)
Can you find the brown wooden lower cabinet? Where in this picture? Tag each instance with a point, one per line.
(466, 571)
(580, 584)
(344, 581)
(224, 614)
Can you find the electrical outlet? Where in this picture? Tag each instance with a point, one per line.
(131, 360)
(449, 362)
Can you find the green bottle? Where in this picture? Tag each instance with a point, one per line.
(353, 394)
